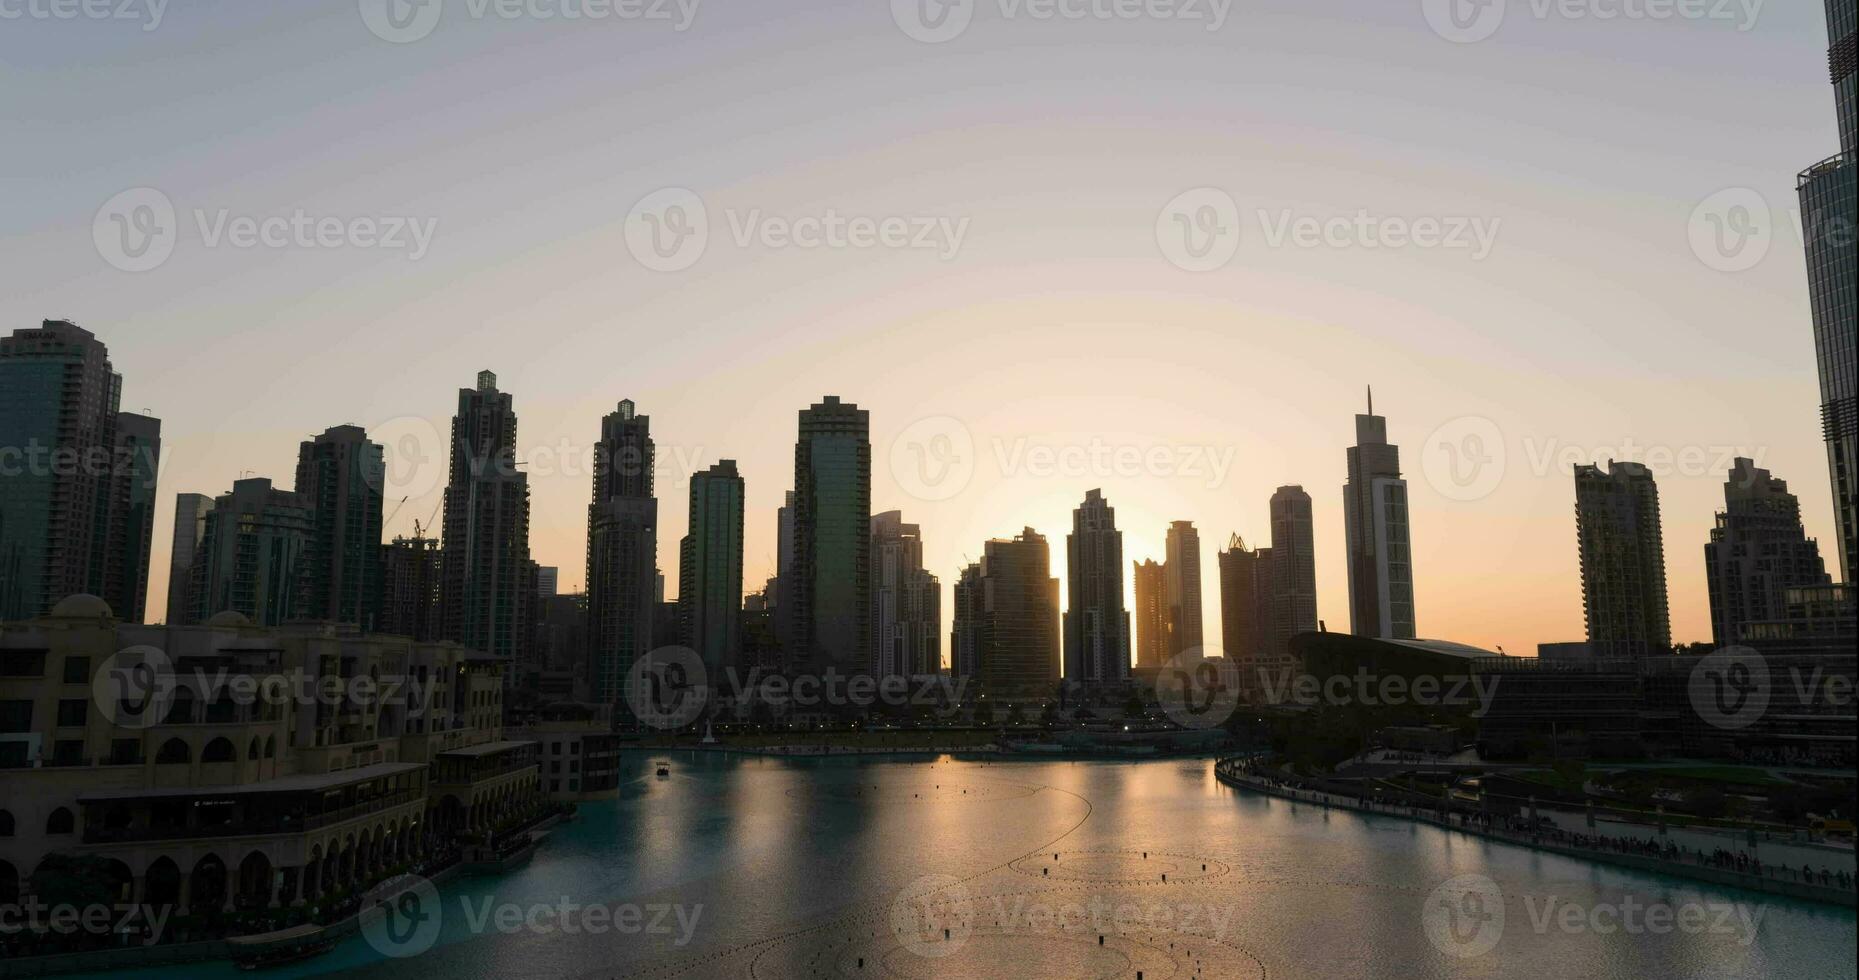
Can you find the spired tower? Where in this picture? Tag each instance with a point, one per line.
(1375, 521)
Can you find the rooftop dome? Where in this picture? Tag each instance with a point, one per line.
(82, 606)
(228, 619)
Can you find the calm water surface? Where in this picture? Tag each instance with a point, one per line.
(778, 869)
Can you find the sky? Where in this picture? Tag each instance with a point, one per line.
(1131, 248)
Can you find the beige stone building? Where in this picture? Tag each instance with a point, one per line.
(224, 766)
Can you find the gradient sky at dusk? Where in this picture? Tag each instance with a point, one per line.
(1591, 322)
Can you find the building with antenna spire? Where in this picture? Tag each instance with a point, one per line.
(1375, 520)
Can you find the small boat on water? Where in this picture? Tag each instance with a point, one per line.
(271, 949)
(664, 770)
(482, 859)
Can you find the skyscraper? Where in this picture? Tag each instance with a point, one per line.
(1097, 627)
(1757, 552)
(411, 572)
(622, 552)
(1183, 577)
(254, 555)
(1294, 568)
(486, 526)
(906, 601)
(131, 516)
(965, 624)
(1152, 625)
(548, 580)
(1007, 619)
(74, 511)
(1246, 606)
(1829, 192)
(828, 604)
(340, 475)
(710, 569)
(1622, 560)
(1381, 571)
(190, 525)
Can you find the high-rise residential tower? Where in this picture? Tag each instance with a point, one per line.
(411, 572)
(1097, 626)
(1007, 619)
(965, 624)
(1757, 552)
(1183, 577)
(1152, 627)
(190, 525)
(1294, 568)
(1622, 560)
(254, 555)
(623, 586)
(486, 519)
(1246, 606)
(77, 515)
(906, 601)
(340, 475)
(1375, 522)
(1829, 193)
(827, 603)
(710, 569)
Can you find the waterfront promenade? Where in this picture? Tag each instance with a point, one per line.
(1656, 852)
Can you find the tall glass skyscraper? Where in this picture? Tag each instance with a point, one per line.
(828, 607)
(77, 493)
(1182, 575)
(710, 568)
(1830, 213)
